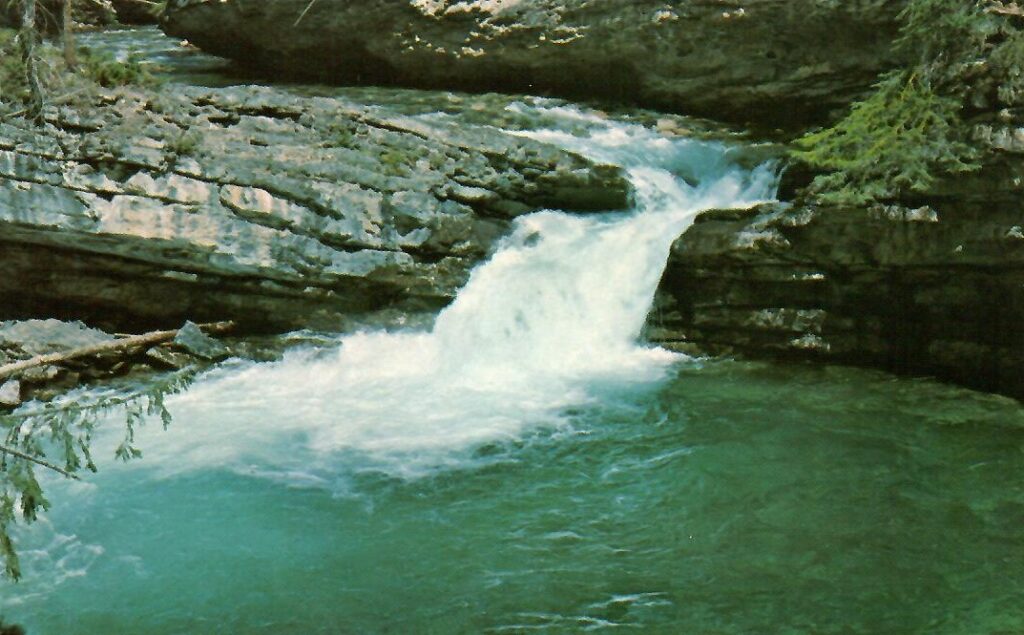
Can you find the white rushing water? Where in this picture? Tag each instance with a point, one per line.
(552, 317)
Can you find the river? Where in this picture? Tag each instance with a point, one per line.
(529, 464)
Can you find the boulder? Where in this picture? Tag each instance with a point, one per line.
(137, 211)
(29, 338)
(10, 393)
(192, 339)
(763, 61)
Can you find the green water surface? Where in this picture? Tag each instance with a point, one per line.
(733, 498)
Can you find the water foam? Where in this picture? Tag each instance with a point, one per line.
(53, 560)
(551, 317)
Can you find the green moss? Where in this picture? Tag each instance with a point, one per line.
(12, 70)
(394, 162)
(108, 71)
(94, 67)
(184, 144)
(340, 134)
(914, 128)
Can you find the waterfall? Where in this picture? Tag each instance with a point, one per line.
(542, 326)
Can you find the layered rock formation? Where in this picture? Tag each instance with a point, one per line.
(766, 61)
(935, 290)
(258, 206)
(932, 282)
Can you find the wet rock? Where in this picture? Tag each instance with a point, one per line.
(930, 284)
(769, 61)
(41, 374)
(166, 358)
(192, 339)
(22, 340)
(11, 629)
(38, 337)
(10, 394)
(139, 211)
(936, 289)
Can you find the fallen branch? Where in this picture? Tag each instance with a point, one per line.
(146, 340)
(304, 12)
(28, 457)
(1002, 9)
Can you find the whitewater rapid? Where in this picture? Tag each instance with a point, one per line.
(547, 323)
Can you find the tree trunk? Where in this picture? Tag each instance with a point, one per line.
(68, 29)
(28, 38)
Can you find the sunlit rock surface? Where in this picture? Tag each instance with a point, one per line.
(269, 209)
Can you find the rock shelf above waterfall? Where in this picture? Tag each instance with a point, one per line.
(251, 204)
(769, 61)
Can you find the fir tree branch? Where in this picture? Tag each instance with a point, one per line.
(28, 457)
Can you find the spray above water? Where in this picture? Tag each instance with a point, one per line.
(546, 324)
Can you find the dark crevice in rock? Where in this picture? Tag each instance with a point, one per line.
(225, 121)
(79, 128)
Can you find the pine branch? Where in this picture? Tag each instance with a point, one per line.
(28, 457)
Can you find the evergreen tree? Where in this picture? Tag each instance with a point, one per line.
(967, 59)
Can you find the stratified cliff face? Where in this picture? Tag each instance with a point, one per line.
(931, 282)
(935, 290)
(764, 61)
(255, 205)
